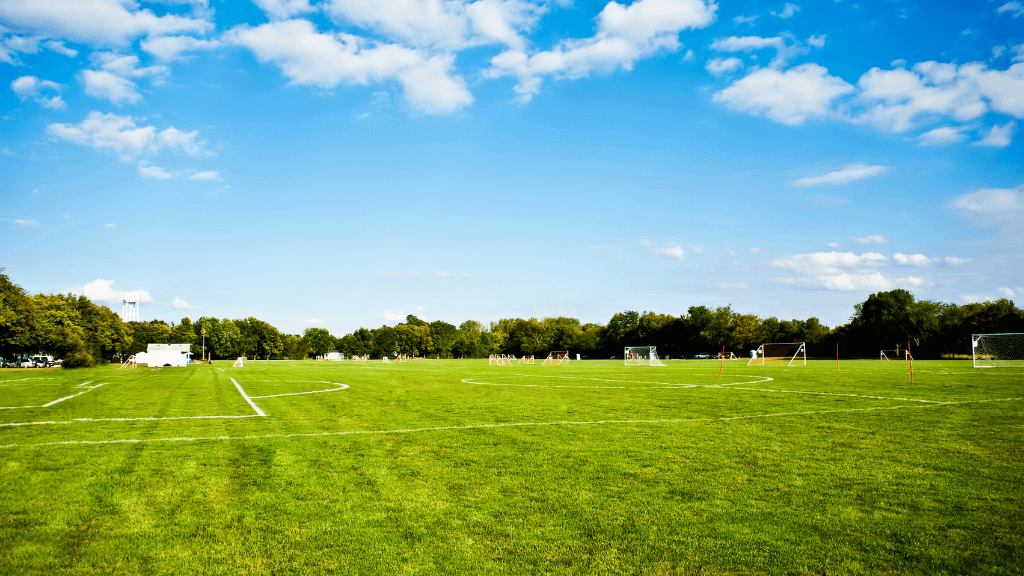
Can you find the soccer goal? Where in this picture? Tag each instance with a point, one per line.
(556, 358)
(779, 354)
(893, 355)
(726, 356)
(526, 360)
(642, 356)
(130, 362)
(500, 360)
(997, 350)
(240, 363)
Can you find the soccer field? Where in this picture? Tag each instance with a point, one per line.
(459, 467)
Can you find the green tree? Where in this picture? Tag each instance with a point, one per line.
(319, 340)
(18, 322)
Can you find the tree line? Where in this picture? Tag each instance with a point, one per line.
(83, 333)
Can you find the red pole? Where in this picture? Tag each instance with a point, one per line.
(721, 360)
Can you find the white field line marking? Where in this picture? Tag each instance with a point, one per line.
(501, 425)
(342, 387)
(659, 384)
(248, 399)
(840, 394)
(132, 419)
(59, 399)
(221, 369)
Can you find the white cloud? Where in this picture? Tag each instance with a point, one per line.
(787, 11)
(625, 34)
(745, 20)
(100, 22)
(397, 316)
(210, 175)
(180, 304)
(419, 308)
(1000, 136)
(719, 66)
(671, 251)
(848, 173)
(283, 9)
(732, 285)
(816, 40)
(954, 261)
(992, 205)
(943, 136)
(833, 244)
(313, 320)
(445, 25)
(919, 260)
(120, 134)
(695, 249)
(834, 270)
(26, 223)
(872, 239)
(754, 251)
(790, 97)
(998, 51)
(59, 47)
(786, 46)
(647, 243)
(168, 48)
(110, 225)
(325, 60)
(730, 253)
(102, 291)
(1014, 9)
(103, 84)
(1006, 292)
(153, 172)
(913, 282)
(27, 87)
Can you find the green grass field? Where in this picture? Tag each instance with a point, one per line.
(457, 467)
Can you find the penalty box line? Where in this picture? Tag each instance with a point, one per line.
(502, 425)
(48, 404)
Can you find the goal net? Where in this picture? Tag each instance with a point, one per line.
(642, 356)
(556, 358)
(526, 360)
(240, 363)
(779, 354)
(998, 350)
(500, 360)
(893, 355)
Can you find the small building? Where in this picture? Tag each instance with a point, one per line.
(160, 355)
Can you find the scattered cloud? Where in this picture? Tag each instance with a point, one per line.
(943, 136)
(919, 260)
(180, 304)
(120, 134)
(646, 243)
(103, 84)
(695, 249)
(789, 97)
(325, 60)
(169, 48)
(100, 290)
(1013, 9)
(671, 251)
(625, 34)
(872, 239)
(157, 172)
(719, 66)
(210, 175)
(312, 320)
(833, 244)
(1006, 292)
(999, 136)
(745, 20)
(787, 11)
(730, 253)
(110, 225)
(834, 270)
(44, 92)
(992, 205)
(396, 316)
(59, 47)
(100, 22)
(25, 222)
(732, 285)
(954, 261)
(847, 174)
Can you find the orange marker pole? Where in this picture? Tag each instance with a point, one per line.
(721, 360)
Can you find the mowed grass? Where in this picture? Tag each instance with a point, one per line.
(455, 467)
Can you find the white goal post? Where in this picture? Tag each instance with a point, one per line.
(997, 350)
(500, 360)
(641, 356)
(556, 358)
(526, 360)
(893, 355)
(779, 354)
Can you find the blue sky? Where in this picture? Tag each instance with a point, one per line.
(343, 163)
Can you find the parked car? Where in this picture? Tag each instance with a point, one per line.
(42, 360)
(701, 356)
(27, 363)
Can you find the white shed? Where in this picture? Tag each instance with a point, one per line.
(159, 355)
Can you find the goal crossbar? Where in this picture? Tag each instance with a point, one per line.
(641, 356)
(779, 354)
(556, 358)
(998, 350)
